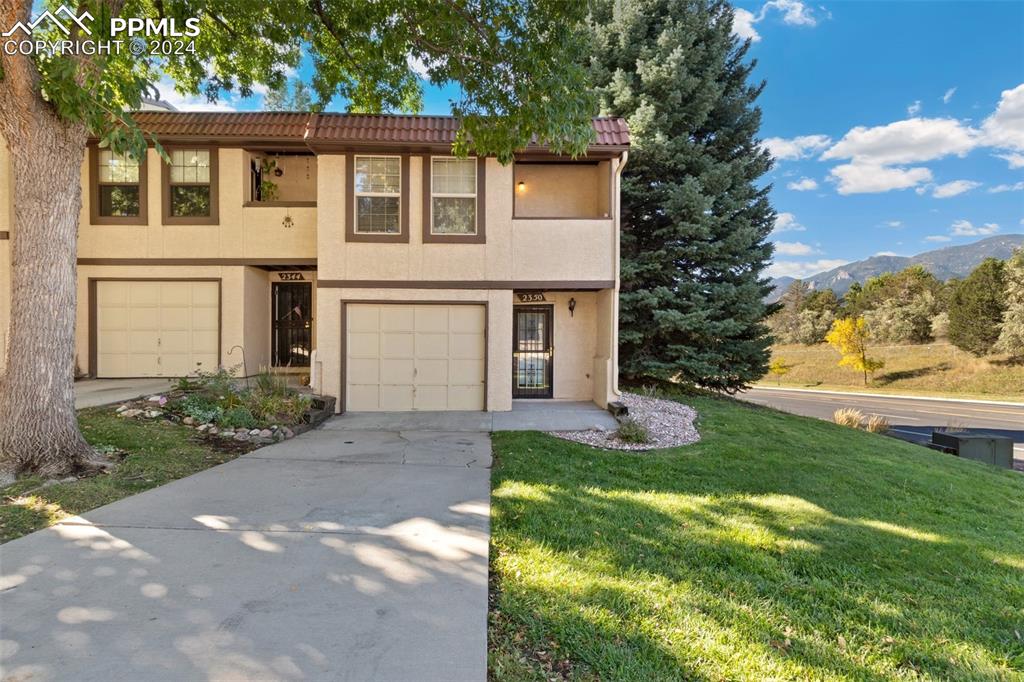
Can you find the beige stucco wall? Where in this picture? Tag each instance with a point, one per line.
(327, 369)
(245, 308)
(244, 231)
(576, 190)
(515, 249)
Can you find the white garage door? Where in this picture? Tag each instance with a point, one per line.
(415, 357)
(156, 329)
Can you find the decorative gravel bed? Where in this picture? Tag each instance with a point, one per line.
(669, 424)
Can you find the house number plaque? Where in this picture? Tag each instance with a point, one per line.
(291, 276)
(531, 297)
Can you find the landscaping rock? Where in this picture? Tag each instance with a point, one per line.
(242, 437)
(153, 414)
(265, 433)
(189, 421)
(254, 432)
(121, 409)
(667, 422)
(288, 433)
(130, 413)
(212, 429)
(155, 398)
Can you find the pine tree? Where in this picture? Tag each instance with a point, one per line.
(976, 308)
(694, 220)
(1011, 332)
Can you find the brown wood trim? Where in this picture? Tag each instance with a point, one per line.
(165, 191)
(4, 234)
(343, 360)
(94, 193)
(481, 207)
(93, 310)
(197, 261)
(533, 285)
(278, 204)
(350, 205)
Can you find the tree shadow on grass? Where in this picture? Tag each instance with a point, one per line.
(699, 559)
(902, 375)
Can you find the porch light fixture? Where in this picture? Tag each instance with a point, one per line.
(521, 187)
(572, 307)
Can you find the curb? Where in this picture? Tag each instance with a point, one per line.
(889, 395)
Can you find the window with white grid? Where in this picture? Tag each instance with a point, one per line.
(452, 195)
(378, 194)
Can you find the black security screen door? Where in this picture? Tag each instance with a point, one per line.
(292, 332)
(531, 352)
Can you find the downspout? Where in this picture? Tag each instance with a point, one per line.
(618, 267)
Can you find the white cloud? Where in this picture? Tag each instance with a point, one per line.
(1014, 160)
(793, 249)
(1015, 187)
(910, 141)
(964, 228)
(949, 95)
(794, 13)
(1005, 127)
(796, 148)
(938, 238)
(862, 178)
(915, 108)
(165, 86)
(803, 185)
(894, 223)
(887, 253)
(786, 222)
(743, 25)
(800, 270)
(951, 189)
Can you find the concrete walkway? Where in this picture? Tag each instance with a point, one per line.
(95, 392)
(526, 415)
(343, 554)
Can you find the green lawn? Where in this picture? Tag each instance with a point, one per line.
(778, 548)
(157, 452)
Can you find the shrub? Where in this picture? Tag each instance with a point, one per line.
(238, 417)
(877, 424)
(277, 408)
(201, 408)
(271, 384)
(848, 416)
(631, 431)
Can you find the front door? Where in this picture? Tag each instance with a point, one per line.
(532, 367)
(292, 326)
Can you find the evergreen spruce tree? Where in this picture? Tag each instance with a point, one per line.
(1011, 332)
(976, 308)
(694, 220)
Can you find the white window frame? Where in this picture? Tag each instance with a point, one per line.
(448, 195)
(356, 193)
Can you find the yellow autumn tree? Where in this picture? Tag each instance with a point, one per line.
(779, 368)
(850, 337)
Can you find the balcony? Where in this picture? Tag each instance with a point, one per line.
(281, 179)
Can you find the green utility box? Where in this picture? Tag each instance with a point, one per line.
(981, 447)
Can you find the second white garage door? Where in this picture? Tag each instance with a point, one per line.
(156, 328)
(415, 357)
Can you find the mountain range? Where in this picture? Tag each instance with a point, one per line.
(944, 263)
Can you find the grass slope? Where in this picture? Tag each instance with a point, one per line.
(778, 547)
(939, 369)
(157, 452)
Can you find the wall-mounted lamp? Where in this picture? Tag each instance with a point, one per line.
(521, 187)
(572, 307)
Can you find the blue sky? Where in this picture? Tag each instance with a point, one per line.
(898, 127)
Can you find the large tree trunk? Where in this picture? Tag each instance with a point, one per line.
(38, 427)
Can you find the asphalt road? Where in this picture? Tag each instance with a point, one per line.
(909, 417)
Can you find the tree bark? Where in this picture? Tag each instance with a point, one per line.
(38, 426)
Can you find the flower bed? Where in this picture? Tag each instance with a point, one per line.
(265, 410)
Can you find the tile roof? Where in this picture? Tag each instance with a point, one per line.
(333, 127)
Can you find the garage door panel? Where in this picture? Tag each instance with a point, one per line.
(397, 345)
(396, 398)
(429, 345)
(467, 346)
(398, 371)
(156, 328)
(397, 318)
(466, 397)
(424, 357)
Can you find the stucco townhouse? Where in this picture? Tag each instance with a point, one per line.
(352, 248)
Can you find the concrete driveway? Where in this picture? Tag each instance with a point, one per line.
(343, 554)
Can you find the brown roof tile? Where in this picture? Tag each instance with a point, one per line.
(332, 127)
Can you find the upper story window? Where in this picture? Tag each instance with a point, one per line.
(117, 188)
(453, 196)
(190, 186)
(378, 194)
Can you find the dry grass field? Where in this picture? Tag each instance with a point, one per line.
(930, 369)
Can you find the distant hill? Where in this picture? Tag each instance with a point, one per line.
(944, 263)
